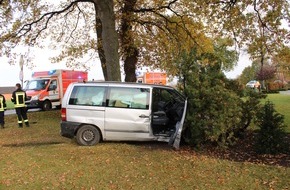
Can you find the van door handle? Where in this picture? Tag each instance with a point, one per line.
(143, 116)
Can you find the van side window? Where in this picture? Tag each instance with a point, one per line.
(52, 85)
(88, 96)
(134, 98)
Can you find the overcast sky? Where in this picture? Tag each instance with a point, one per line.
(9, 74)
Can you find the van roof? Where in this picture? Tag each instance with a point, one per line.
(124, 83)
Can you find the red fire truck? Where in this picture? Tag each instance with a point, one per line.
(47, 88)
(152, 78)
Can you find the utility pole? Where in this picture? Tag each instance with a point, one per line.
(21, 75)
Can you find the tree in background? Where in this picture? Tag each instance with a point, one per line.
(247, 75)
(266, 73)
(250, 73)
(264, 33)
(281, 60)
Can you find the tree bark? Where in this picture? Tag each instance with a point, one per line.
(130, 63)
(100, 47)
(105, 9)
(130, 51)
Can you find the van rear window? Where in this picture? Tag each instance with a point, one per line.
(88, 96)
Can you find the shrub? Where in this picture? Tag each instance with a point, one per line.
(271, 138)
(218, 112)
(214, 115)
(214, 112)
(250, 106)
(274, 86)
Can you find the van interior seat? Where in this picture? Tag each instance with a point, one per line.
(118, 103)
(160, 118)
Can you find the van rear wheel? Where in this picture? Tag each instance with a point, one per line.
(88, 135)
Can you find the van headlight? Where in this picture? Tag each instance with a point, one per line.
(35, 97)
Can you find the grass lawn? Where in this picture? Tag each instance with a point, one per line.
(9, 104)
(39, 158)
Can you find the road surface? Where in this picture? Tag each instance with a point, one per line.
(287, 92)
(12, 111)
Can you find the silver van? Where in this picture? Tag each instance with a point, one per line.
(116, 111)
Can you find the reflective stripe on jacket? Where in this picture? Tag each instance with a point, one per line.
(2, 105)
(20, 99)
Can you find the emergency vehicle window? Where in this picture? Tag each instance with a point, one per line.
(32, 85)
(36, 84)
(88, 96)
(134, 98)
(52, 85)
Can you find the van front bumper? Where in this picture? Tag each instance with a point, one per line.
(68, 129)
(33, 104)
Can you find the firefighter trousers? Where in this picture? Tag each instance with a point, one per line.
(22, 114)
(2, 117)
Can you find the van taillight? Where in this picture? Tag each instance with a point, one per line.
(63, 114)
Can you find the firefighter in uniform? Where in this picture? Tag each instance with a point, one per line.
(18, 98)
(2, 109)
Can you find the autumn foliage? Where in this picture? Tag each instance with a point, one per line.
(266, 72)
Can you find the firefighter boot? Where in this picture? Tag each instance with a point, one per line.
(2, 125)
(20, 125)
(26, 124)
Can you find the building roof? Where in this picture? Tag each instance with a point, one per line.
(7, 90)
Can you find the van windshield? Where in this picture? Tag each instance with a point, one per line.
(39, 84)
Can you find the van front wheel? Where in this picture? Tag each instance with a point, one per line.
(46, 106)
(88, 135)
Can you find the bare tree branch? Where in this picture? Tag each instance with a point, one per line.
(167, 20)
(76, 24)
(263, 24)
(168, 6)
(25, 29)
